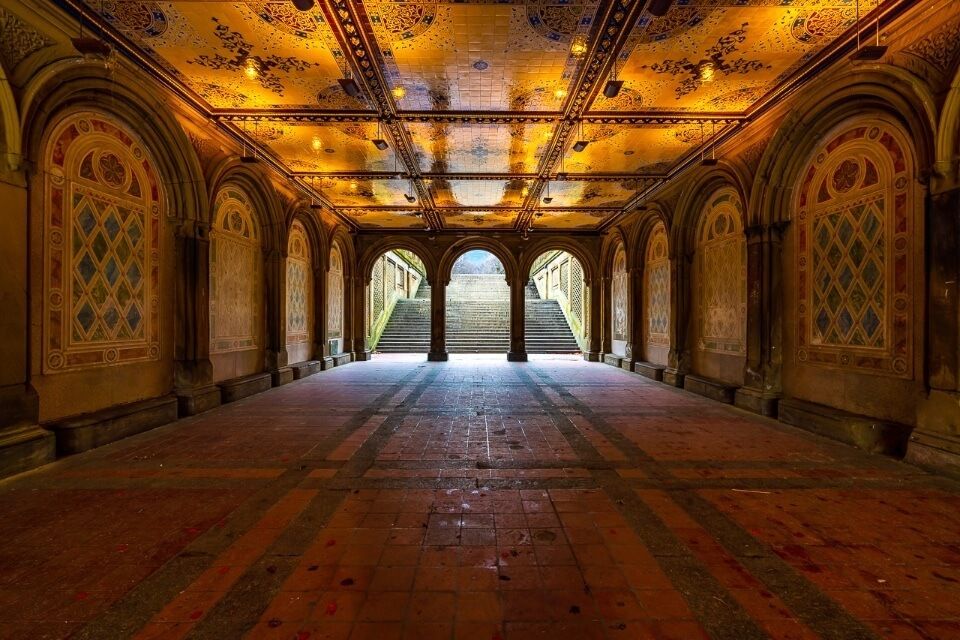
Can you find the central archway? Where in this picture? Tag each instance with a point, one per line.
(478, 305)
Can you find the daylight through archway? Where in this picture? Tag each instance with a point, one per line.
(556, 294)
(478, 305)
(398, 304)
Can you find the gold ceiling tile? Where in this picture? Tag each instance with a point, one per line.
(364, 192)
(479, 219)
(723, 55)
(639, 148)
(480, 148)
(479, 56)
(570, 219)
(477, 193)
(584, 193)
(327, 148)
(238, 55)
(383, 218)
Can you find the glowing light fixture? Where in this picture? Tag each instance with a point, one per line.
(868, 52)
(399, 92)
(251, 69)
(560, 94)
(316, 144)
(578, 47)
(353, 185)
(706, 70)
(525, 191)
(379, 142)
(303, 5)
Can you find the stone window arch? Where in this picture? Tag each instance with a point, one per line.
(103, 207)
(722, 275)
(657, 289)
(335, 294)
(299, 293)
(856, 226)
(236, 274)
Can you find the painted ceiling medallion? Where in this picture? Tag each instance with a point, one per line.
(282, 15)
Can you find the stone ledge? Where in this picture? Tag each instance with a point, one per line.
(864, 432)
(25, 447)
(517, 356)
(326, 363)
(281, 376)
(649, 370)
(342, 359)
(194, 400)
(935, 451)
(673, 378)
(612, 360)
(304, 369)
(91, 430)
(757, 401)
(237, 388)
(708, 388)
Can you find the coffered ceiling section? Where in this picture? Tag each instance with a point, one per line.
(481, 102)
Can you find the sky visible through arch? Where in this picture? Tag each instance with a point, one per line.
(477, 261)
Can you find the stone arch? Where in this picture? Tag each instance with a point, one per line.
(853, 258)
(372, 252)
(947, 153)
(315, 233)
(588, 260)
(885, 91)
(657, 290)
(690, 208)
(337, 279)
(301, 257)
(495, 247)
(618, 308)
(10, 143)
(258, 188)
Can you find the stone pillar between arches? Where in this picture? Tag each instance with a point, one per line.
(518, 328)
(438, 322)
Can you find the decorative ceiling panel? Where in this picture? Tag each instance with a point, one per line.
(362, 192)
(384, 218)
(479, 219)
(723, 55)
(477, 193)
(239, 54)
(581, 219)
(636, 149)
(324, 148)
(480, 148)
(581, 193)
(480, 55)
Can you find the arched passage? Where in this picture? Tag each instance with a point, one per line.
(556, 304)
(397, 298)
(478, 304)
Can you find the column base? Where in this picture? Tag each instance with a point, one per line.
(194, 400)
(673, 377)
(757, 401)
(438, 356)
(281, 376)
(938, 452)
(362, 356)
(326, 363)
(25, 447)
(517, 356)
(592, 356)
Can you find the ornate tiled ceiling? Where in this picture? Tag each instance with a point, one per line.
(479, 101)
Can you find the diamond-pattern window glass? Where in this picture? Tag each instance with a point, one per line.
(376, 286)
(618, 295)
(101, 270)
(235, 274)
(855, 211)
(299, 286)
(657, 298)
(335, 293)
(722, 275)
(576, 290)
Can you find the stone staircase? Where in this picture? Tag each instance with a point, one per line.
(478, 320)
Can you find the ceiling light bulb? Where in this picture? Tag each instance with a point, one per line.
(560, 94)
(316, 143)
(706, 71)
(353, 185)
(399, 92)
(525, 192)
(578, 47)
(251, 69)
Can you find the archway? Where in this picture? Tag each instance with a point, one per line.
(478, 304)
(556, 304)
(398, 304)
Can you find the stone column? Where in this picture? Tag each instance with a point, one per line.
(606, 299)
(518, 328)
(321, 346)
(634, 317)
(275, 311)
(678, 358)
(193, 371)
(23, 444)
(358, 321)
(438, 321)
(935, 442)
(595, 313)
(761, 389)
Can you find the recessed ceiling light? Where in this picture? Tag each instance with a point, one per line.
(353, 185)
(316, 143)
(481, 65)
(560, 94)
(706, 71)
(399, 92)
(251, 69)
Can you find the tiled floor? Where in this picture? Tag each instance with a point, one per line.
(482, 500)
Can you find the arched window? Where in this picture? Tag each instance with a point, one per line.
(722, 271)
(657, 288)
(235, 274)
(335, 294)
(855, 231)
(102, 227)
(618, 296)
(299, 293)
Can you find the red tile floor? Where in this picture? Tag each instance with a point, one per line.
(478, 499)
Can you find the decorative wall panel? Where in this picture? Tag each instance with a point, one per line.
(376, 289)
(101, 237)
(236, 274)
(856, 215)
(335, 294)
(657, 298)
(618, 297)
(722, 259)
(576, 290)
(299, 286)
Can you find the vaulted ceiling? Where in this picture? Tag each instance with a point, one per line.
(479, 101)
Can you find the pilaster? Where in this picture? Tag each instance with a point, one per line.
(518, 327)
(438, 324)
(595, 312)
